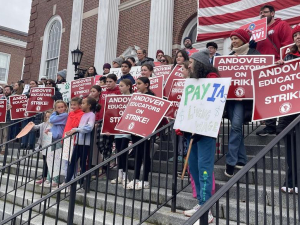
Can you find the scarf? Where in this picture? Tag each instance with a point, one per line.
(242, 50)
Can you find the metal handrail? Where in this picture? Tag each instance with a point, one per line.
(225, 188)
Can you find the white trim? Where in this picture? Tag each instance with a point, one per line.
(7, 67)
(54, 9)
(188, 30)
(176, 46)
(90, 13)
(130, 4)
(23, 68)
(14, 42)
(45, 44)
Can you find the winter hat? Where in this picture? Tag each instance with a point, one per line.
(202, 56)
(186, 39)
(159, 51)
(241, 34)
(43, 78)
(106, 66)
(119, 61)
(62, 73)
(295, 30)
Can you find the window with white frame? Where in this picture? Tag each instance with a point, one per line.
(4, 67)
(53, 49)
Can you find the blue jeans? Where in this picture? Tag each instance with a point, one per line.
(236, 147)
(201, 165)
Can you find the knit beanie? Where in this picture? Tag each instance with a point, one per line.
(62, 73)
(159, 51)
(119, 61)
(202, 56)
(186, 39)
(295, 30)
(241, 34)
(107, 66)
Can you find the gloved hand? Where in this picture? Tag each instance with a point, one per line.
(178, 132)
(252, 44)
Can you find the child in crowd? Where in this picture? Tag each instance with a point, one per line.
(81, 147)
(58, 120)
(143, 86)
(42, 128)
(122, 140)
(102, 81)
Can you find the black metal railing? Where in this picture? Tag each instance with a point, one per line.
(257, 193)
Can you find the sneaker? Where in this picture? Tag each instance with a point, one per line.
(191, 212)
(210, 218)
(285, 189)
(48, 184)
(239, 165)
(114, 181)
(40, 181)
(264, 132)
(295, 190)
(229, 172)
(123, 183)
(131, 186)
(139, 185)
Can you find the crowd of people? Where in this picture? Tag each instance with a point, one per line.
(84, 112)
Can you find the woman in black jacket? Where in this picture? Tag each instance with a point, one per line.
(286, 120)
(57, 95)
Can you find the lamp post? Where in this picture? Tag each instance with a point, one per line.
(76, 60)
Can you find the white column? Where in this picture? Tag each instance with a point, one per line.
(161, 27)
(107, 32)
(75, 35)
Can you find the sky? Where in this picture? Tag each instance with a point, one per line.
(15, 14)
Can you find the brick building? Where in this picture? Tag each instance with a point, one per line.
(12, 55)
(103, 29)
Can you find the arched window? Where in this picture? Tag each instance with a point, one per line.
(51, 48)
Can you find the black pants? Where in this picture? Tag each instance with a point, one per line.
(121, 144)
(291, 156)
(79, 152)
(142, 152)
(271, 125)
(45, 168)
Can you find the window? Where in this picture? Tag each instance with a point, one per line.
(53, 50)
(4, 67)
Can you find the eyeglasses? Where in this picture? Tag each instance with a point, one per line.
(48, 83)
(162, 60)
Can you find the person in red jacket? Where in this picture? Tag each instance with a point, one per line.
(279, 35)
(111, 89)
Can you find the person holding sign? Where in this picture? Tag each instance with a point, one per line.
(57, 95)
(125, 68)
(147, 70)
(122, 140)
(286, 120)
(143, 86)
(4, 129)
(202, 155)
(91, 72)
(180, 57)
(238, 111)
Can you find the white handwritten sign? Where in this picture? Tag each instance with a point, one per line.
(54, 163)
(47, 140)
(68, 146)
(202, 105)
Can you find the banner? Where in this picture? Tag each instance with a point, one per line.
(40, 99)
(175, 74)
(285, 50)
(81, 87)
(135, 72)
(156, 85)
(143, 114)
(113, 110)
(202, 105)
(175, 97)
(3, 107)
(276, 90)
(96, 79)
(65, 90)
(258, 29)
(18, 107)
(163, 71)
(239, 69)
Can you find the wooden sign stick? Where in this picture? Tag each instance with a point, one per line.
(187, 158)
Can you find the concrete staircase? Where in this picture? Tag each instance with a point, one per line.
(161, 189)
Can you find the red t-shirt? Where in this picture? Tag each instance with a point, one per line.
(73, 120)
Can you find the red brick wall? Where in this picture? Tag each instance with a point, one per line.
(134, 27)
(41, 13)
(13, 35)
(90, 4)
(17, 55)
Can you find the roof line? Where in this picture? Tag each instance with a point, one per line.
(14, 31)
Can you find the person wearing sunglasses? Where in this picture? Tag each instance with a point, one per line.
(57, 95)
(165, 60)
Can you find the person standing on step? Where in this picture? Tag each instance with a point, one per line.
(238, 111)
(212, 48)
(143, 59)
(125, 69)
(279, 35)
(286, 120)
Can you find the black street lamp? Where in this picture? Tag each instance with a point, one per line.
(76, 60)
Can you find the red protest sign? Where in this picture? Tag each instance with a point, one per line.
(285, 50)
(40, 99)
(175, 97)
(163, 71)
(239, 69)
(81, 87)
(18, 107)
(276, 90)
(156, 85)
(3, 107)
(113, 110)
(258, 29)
(191, 51)
(96, 79)
(156, 63)
(175, 74)
(143, 114)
